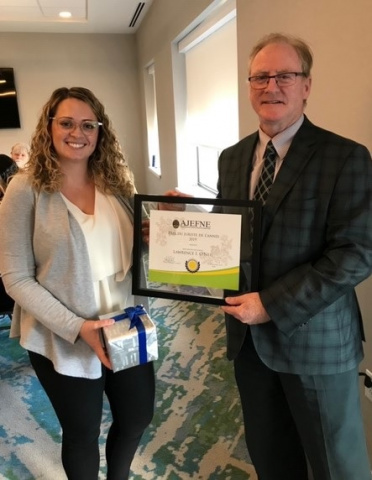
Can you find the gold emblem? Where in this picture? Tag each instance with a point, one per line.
(192, 265)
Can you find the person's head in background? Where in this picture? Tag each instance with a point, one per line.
(20, 154)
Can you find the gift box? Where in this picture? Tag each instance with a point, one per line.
(132, 339)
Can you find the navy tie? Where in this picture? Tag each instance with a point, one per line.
(267, 175)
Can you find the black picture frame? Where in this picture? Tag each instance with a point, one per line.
(250, 212)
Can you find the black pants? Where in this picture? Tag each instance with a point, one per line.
(290, 417)
(78, 403)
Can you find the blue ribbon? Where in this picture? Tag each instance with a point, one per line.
(133, 313)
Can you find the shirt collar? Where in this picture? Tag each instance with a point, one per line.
(282, 141)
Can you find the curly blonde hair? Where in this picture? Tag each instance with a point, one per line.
(106, 164)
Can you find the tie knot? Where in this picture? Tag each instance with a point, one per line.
(267, 174)
(270, 151)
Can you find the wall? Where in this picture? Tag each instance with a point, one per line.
(341, 98)
(106, 64)
(165, 21)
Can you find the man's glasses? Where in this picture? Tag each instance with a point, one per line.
(88, 127)
(285, 79)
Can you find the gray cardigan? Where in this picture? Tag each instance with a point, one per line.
(45, 268)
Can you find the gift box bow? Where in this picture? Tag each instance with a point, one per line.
(133, 314)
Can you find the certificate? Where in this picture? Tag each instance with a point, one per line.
(195, 249)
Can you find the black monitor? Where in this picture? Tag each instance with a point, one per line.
(9, 114)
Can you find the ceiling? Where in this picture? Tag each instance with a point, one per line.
(88, 16)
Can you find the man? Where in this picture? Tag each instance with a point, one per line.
(297, 342)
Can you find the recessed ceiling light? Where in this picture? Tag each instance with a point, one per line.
(65, 14)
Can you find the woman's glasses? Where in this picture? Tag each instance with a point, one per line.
(68, 125)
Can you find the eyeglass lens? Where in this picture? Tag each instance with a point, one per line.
(281, 79)
(87, 126)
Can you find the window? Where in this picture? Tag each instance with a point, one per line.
(207, 160)
(152, 120)
(211, 92)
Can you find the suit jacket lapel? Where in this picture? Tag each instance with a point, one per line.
(299, 154)
(247, 152)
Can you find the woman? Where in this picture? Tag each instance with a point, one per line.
(66, 259)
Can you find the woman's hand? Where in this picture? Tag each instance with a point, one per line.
(146, 230)
(173, 206)
(176, 193)
(90, 332)
(177, 207)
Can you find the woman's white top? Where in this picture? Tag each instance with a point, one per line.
(109, 260)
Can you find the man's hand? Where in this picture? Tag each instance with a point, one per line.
(247, 308)
(90, 333)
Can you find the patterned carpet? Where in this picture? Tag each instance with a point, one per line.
(197, 430)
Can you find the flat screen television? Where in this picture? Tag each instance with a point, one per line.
(9, 114)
